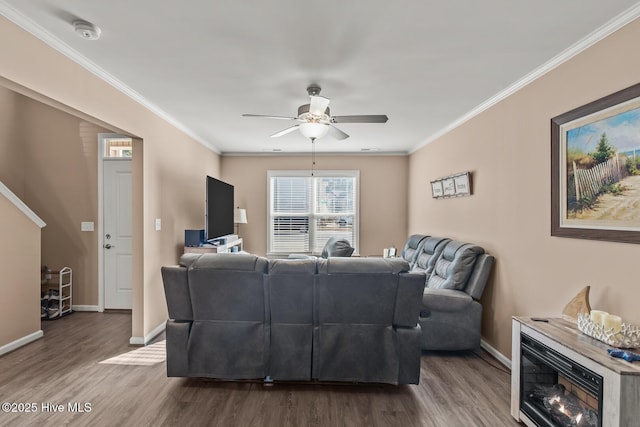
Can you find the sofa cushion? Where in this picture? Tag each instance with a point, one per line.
(362, 265)
(225, 261)
(290, 289)
(454, 266)
(410, 250)
(427, 254)
(293, 266)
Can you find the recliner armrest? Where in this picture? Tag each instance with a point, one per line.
(449, 300)
(407, 309)
(479, 275)
(176, 289)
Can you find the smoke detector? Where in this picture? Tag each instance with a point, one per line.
(86, 30)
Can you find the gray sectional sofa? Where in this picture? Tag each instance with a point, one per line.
(240, 316)
(456, 275)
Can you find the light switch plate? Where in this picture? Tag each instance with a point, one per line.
(158, 224)
(86, 226)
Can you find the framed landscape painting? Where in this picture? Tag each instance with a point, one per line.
(595, 169)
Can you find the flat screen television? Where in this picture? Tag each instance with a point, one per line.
(219, 209)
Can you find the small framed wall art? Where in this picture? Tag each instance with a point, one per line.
(457, 185)
(461, 183)
(436, 189)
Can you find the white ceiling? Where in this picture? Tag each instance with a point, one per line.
(426, 64)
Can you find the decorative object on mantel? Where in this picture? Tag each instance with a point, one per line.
(578, 305)
(628, 336)
(457, 185)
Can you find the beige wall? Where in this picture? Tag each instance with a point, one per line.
(174, 165)
(20, 264)
(383, 195)
(507, 148)
(60, 186)
(12, 170)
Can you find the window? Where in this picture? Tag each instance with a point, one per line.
(305, 211)
(118, 147)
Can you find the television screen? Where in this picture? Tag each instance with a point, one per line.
(219, 208)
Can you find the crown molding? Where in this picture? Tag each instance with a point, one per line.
(607, 29)
(308, 153)
(36, 30)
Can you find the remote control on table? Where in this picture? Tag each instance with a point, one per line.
(624, 354)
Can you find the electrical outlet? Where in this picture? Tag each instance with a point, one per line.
(86, 226)
(158, 224)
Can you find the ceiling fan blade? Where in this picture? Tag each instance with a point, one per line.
(371, 118)
(270, 117)
(285, 131)
(337, 133)
(318, 105)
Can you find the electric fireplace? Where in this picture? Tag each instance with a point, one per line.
(562, 377)
(554, 390)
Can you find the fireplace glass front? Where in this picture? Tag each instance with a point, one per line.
(556, 391)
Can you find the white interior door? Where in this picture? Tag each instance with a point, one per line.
(117, 233)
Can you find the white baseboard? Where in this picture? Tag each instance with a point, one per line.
(85, 308)
(20, 342)
(495, 353)
(148, 337)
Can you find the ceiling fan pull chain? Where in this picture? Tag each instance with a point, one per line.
(313, 155)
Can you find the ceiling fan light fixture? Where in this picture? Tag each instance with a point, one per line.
(314, 130)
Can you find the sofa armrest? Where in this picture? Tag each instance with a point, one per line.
(408, 298)
(176, 291)
(445, 300)
(479, 276)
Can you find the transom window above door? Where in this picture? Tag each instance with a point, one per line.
(118, 148)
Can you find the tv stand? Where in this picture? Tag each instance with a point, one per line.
(213, 249)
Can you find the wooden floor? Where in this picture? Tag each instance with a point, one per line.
(456, 389)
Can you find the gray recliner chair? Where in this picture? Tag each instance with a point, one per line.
(456, 274)
(335, 247)
(216, 303)
(290, 288)
(366, 311)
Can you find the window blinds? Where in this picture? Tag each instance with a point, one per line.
(305, 211)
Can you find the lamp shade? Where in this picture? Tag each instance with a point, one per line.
(314, 130)
(240, 216)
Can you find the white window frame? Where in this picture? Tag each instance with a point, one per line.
(316, 174)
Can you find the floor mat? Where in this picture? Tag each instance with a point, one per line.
(143, 356)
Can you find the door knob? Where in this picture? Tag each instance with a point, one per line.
(108, 246)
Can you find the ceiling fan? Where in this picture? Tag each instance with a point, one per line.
(316, 120)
